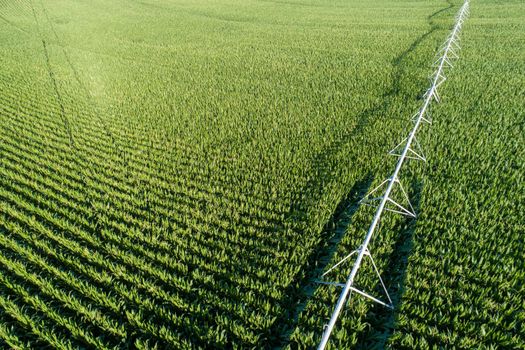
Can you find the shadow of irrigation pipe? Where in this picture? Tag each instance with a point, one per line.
(381, 320)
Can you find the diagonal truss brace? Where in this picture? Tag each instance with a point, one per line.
(425, 118)
(395, 206)
(415, 152)
(388, 304)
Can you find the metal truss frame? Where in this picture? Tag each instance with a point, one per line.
(409, 148)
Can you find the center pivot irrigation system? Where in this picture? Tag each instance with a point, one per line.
(411, 149)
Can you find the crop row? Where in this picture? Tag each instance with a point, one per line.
(161, 190)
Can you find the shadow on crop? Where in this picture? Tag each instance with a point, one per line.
(367, 120)
(298, 291)
(333, 232)
(382, 321)
(402, 64)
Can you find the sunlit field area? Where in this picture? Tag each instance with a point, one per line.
(176, 174)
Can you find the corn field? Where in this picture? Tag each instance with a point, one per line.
(175, 174)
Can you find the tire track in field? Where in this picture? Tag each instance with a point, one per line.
(333, 153)
(96, 110)
(7, 7)
(13, 25)
(63, 115)
(76, 75)
(122, 154)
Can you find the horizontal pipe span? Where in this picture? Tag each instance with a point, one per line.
(448, 52)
